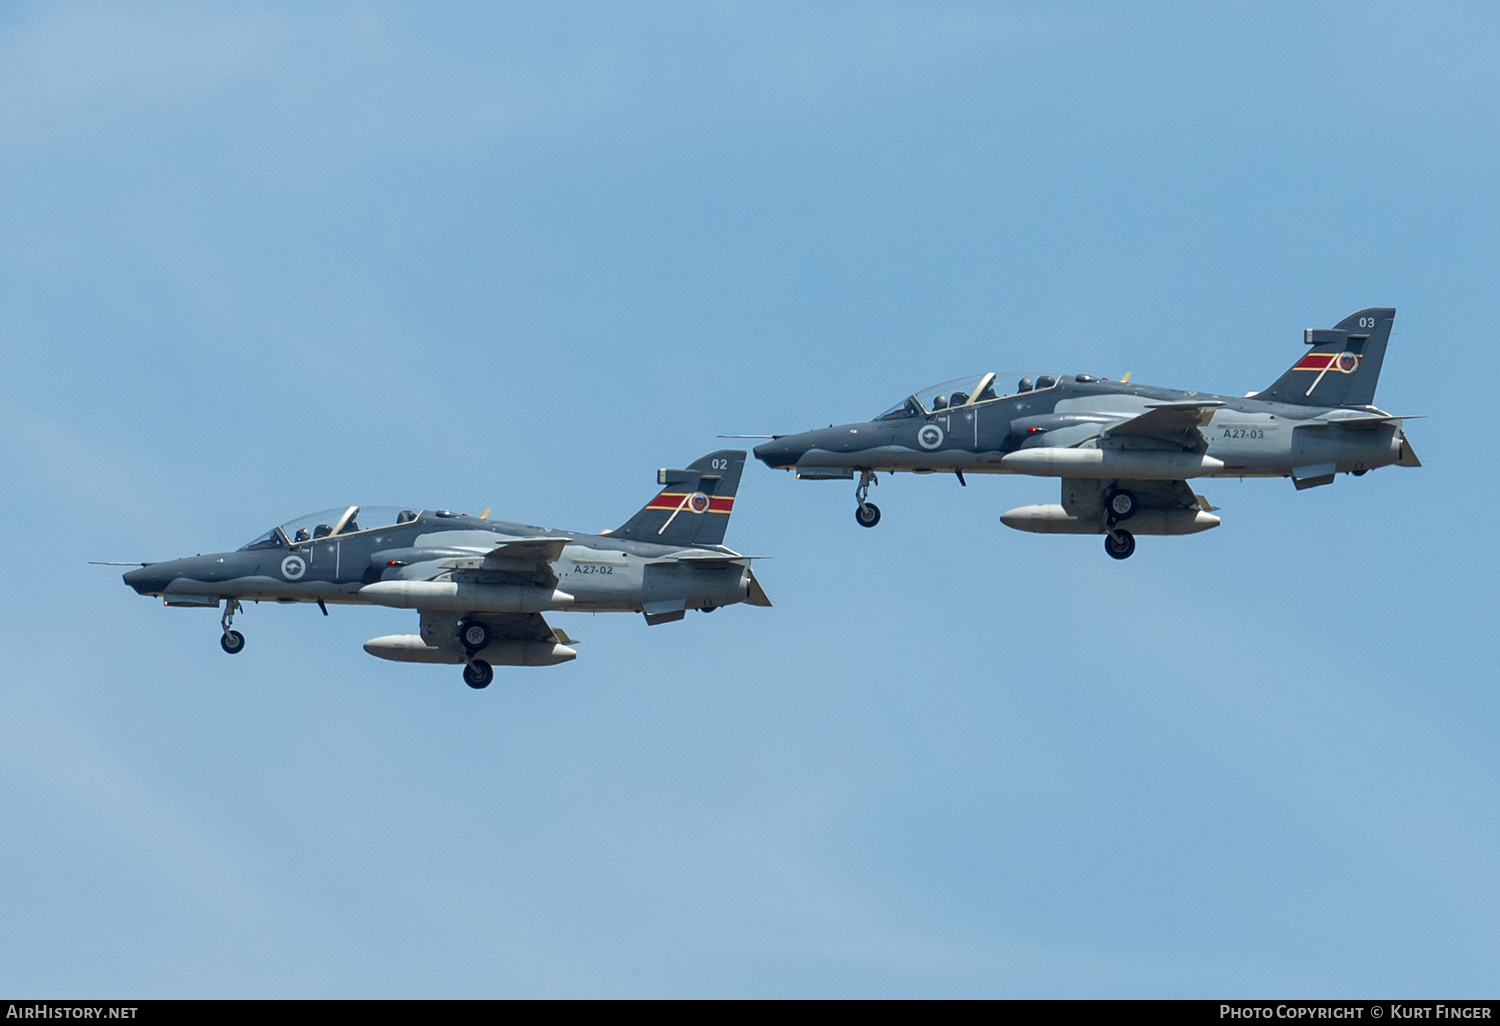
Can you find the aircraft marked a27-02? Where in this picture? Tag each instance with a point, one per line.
(1125, 451)
(479, 585)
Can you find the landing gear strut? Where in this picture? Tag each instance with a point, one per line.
(866, 514)
(478, 674)
(232, 640)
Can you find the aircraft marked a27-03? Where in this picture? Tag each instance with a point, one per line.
(1125, 451)
(480, 586)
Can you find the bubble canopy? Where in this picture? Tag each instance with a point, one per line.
(976, 388)
(330, 522)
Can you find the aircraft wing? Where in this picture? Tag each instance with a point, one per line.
(529, 559)
(1177, 424)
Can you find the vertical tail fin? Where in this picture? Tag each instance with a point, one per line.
(1342, 366)
(694, 507)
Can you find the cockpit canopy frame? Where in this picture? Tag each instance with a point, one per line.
(970, 391)
(329, 523)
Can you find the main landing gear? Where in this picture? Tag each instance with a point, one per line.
(1118, 505)
(474, 636)
(1119, 543)
(232, 640)
(478, 674)
(866, 514)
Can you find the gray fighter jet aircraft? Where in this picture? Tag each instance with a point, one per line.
(479, 585)
(1125, 451)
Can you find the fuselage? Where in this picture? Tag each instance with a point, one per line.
(1245, 436)
(594, 572)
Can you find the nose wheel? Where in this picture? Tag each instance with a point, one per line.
(231, 641)
(866, 514)
(478, 674)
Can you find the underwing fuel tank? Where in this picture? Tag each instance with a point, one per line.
(1056, 520)
(410, 648)
(1130, 464)
(469, 598)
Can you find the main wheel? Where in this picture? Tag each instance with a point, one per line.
(1120, 544)
(474, 636)
(867, 515)
(478, 674)
(232, 642)
(1120, 505)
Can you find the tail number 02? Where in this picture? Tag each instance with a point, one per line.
(719, 464)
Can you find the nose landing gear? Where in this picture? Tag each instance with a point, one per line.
(866, 514)
(232, 641)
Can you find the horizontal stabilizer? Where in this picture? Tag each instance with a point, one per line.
(1350, 418)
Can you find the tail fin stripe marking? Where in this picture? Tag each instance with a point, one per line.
(1344, 363)
(675, 500)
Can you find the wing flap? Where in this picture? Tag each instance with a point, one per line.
(1177, 424)
(527, 558)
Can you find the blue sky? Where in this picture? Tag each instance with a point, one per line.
(262, 262)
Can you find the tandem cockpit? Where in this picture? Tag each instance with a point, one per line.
(329, 523)
(972, 390)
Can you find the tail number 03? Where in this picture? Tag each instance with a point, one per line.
(1367, 322)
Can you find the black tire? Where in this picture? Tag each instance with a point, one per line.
(1120, 505)
(478, 674)
(232, 642)
(1360, 473)
(1120, 545)
(867, 515)
(473, 635)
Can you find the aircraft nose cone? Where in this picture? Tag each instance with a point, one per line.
(148, 580)
(780, 453)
